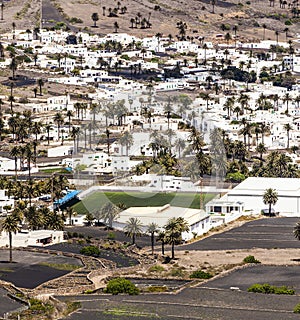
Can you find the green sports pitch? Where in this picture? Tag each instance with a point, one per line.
(97, 199)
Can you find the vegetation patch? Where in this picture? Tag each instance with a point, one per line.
(90, 251)
(157, 268)
(199, 274)
(251, 259)
(297, 308)
(268, 289)
(121, 285)
(60, 266)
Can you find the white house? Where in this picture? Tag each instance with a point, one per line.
(198, 220)
(251, 191)
(171, 183)
(27, 238)
(5, 201)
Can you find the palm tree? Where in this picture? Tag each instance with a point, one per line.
(174, 229)
(286, 99)
(69, 115)
(74, 135)
(95, 18)
(126, 140)
(261, 149)
(58, 118)
(15, 153)
(108, 213)
(70, 212)
(264, 27)
(11, 225)
(288, 127)
(270, 197)
(116, 26)
(179, 145)
(162, 238)
(13, 66)
(152, 229)
(40, 83)
(133, 228)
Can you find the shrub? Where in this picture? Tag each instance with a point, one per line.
(111, 236)
(157, 268)
(288, 23)
(268, 289)
(90, 251)
(177, 272)
(157, 289)
(297, 308)
(199, 274)
(121, 285)
(250, 259)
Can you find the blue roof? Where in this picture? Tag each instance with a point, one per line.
(69, 196)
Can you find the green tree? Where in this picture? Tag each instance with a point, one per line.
(40, 83)
(59, 119)
(270, 197)
(95, 18)
(11, 225)
(133, 228)
(126, 140)
(152, 229)
(174, 229)
(287, 127)
(162, 238)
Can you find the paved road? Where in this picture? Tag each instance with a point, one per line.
(264, 233)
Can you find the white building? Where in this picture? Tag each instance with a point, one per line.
(5, 201)
(251, 191)
(171, 183)
(27, 238)
(198, 221)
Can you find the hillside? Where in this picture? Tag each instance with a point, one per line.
(163, 15)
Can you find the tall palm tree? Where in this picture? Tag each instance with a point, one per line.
(286, 99)
(126, 140)
(152, 229)
(270, 197)
(11, 225)
(74, 135)
(162, 238)
(95, 18)
(58, 118)
(287, 127)
(133, 228)
(174, 229)
(15, 153)
(40, 83)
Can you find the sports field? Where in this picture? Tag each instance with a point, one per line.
(140, 199)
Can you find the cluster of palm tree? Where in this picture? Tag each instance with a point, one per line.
(276, 165)
(140, 21)
(171, 233)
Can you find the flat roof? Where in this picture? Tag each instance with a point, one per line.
(161, 215)
(257, 186)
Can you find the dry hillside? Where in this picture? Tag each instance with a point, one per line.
(248, 16)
